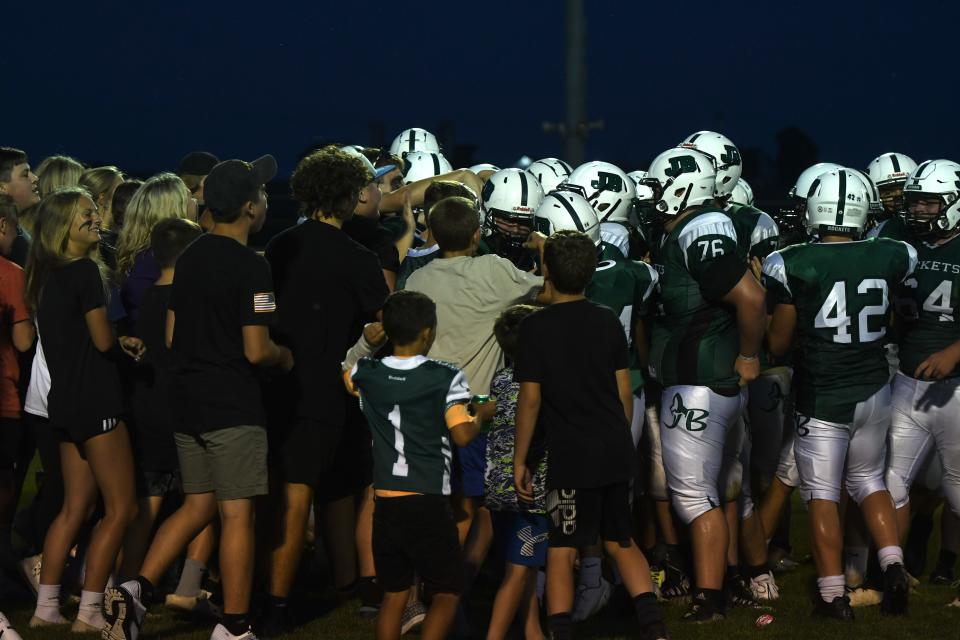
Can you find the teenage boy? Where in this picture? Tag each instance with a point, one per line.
(16, 334)
(221, 305)
(583, 395)
(193, 170)
(327, 287)
(151, 433)
(19, 182)
(415, 406)
(470, 292)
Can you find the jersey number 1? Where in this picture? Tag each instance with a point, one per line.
(833, 313)
(400, 467)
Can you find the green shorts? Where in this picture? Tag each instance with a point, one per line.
(231, 462)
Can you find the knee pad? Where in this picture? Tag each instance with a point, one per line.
(862, 485)
(691, 505)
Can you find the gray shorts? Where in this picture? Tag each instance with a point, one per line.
(230, 462)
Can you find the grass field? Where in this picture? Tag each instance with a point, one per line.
(334, 618)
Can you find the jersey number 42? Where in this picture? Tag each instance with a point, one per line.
(833, 313)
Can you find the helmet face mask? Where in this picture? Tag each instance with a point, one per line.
(932, 199)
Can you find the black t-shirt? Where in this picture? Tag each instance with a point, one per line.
(220, 287)
(573, 350)
(152, 432)
(327, 286)
(376, 237)
(84, 384)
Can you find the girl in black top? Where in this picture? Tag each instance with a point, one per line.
(66, 291)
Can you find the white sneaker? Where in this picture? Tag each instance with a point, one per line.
(764, 587)
(590, 600)
(220, 633)
(6, 629)
(123, 611)
(30, 570)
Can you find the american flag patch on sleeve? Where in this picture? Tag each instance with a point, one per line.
(264, 303)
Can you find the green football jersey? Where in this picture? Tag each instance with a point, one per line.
(934, 291)
(841, 291)
(695, 340)
(609, 252)
(893, 227)
(624, 286)
(405, 401)
(757, 233)
(416, 258)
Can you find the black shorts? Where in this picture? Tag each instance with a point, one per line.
(11, 432)
(416, 535)
(579, 516)
(79, 431)
(352, 468)
(300, 452)
(154, 484)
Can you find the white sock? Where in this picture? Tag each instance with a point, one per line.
(590, 572)
(48, 604)
(890, 555)
(91, 608)
(831, 587)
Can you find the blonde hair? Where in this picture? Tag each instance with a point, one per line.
(162, 196)
(56, 172)
(48, 250)
(99, 180)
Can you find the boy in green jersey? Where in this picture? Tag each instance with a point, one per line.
(415, 407)
(833, 294)
(926, 390)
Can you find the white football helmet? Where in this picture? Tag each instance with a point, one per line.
(423, 164)
(609, 191)
(549, 172)
(791, 217)
(890, 168)
(837, 202)
(742, 193)
(682, 178)
(414, 139)
(725, 155)
(567, 211)
(876, 207)
(933, 179)
(484, 166)
(644, 192)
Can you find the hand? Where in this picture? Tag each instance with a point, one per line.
(523, 482)
(535, 241)
(373, 333)
(286, 359)
(748, 370)
(486, 411)
(133, 347)
(938, 365)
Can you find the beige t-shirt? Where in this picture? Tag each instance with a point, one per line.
(470, 294)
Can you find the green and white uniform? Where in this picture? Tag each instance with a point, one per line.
(893, 227)
(694, 347)
(416, 258)
(757, 233)
(841, 292)
(405, 401)
(625, 287)
(925, 412)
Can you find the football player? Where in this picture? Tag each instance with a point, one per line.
(926, 390)
(509, 198)
(889, 172)
(834, 295)
(611, 194)
(706, 339)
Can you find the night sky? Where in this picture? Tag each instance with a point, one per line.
(139, 85)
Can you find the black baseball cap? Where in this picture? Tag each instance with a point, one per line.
(232, 183)
(197, 163)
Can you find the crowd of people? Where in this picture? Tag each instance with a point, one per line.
(597, 382)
